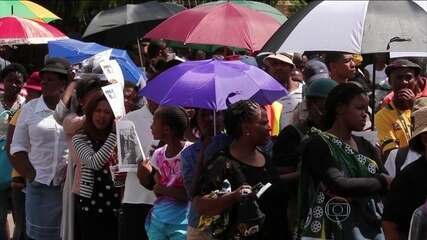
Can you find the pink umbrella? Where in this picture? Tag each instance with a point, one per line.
(225, 24)
(16, 30)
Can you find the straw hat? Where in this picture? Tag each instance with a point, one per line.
(420, 122)
(419, 103)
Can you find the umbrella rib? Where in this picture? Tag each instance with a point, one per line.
(363, 27)
(177, 82)
(251, 44)
(193, 29)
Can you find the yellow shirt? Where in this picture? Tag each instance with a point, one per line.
(394, 127)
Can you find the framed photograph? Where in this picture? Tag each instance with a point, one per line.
(129, 147)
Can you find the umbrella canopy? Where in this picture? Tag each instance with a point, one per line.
(257, 6)
(15, 30)
(76, 51)
(212, 84)
(225, 24)
(124, 24)
(26, 9)
(353, 26)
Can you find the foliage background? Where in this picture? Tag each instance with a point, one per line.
(76, 14)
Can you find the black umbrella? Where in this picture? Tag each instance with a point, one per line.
(120, 26)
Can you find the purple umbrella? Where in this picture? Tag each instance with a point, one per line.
(212, 84)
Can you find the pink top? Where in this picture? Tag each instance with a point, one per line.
(169, 168)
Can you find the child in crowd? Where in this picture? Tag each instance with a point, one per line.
(168, 219)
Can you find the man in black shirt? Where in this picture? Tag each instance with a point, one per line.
(285, 150)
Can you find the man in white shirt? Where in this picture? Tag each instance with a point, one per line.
(137, 200)
(39, 152)
(280, 67)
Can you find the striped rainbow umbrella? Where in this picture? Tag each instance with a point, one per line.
(26, 9)
(15, 31)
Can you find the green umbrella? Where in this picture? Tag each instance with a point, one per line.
(26, 9)
(257, 6)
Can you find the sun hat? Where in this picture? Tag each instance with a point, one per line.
(280, 57)
(33, 82)
(419, 103)
(419, 121)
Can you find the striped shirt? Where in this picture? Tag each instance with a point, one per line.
(91, 161)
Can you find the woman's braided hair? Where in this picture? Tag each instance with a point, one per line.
(237, 114)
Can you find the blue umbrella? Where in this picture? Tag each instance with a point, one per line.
(76, 51)
(212, 84)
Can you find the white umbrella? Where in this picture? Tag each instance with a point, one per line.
(353, 26)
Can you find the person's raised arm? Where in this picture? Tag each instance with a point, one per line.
(88, 156)
(62, 109)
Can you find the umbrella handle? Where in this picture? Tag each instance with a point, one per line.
(139, 52)
(373, 96)
(214, 122)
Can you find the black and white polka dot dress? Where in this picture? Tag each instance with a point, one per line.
(105, 197)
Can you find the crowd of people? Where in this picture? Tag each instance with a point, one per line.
(304, 167)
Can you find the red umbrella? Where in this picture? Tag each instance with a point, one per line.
(16, 30)
(226, 24)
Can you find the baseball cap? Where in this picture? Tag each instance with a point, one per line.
(402, 63)
(315, 69)
(57, 65)
(320, 87)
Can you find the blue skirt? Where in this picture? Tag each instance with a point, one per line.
(43, 208)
